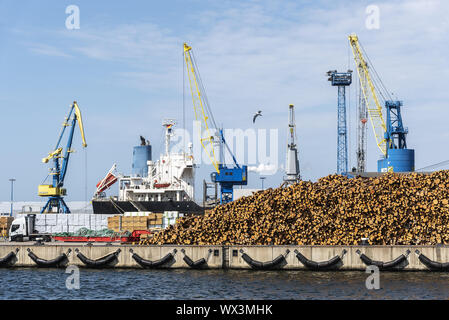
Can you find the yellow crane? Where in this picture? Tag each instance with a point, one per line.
(369, 92)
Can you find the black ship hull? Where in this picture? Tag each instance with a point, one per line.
(109, 206)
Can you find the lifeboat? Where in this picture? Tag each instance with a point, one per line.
(106, 183)
(162, 185)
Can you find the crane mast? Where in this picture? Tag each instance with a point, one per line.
(55, 191)
(292, 165)
(341, 80)
(362, 116)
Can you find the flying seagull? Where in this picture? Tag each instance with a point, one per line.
(259, 113)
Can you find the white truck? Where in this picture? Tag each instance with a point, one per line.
(23, 229)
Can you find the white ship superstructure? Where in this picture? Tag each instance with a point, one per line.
(154, 186)
(171, 178)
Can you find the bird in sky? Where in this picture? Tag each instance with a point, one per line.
(259, 113)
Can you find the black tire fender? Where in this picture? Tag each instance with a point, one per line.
(155, 264)
(331, 264)
(9, 259)
(395, 264)
(105, 261)
(432, 265)
(198, 264)
(57, 262)
(276, 263)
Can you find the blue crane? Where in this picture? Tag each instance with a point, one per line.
(398, 158)
(55, 191)
(341, 80)
(226, 177)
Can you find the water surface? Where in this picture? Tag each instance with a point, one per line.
(28, 283)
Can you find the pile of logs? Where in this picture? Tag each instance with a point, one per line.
(392, 209)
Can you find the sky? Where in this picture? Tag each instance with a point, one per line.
(124, 66)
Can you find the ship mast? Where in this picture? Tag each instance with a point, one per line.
(168, 124)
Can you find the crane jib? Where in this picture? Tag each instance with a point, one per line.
(369, 94)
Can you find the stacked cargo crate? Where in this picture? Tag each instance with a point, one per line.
(114, 223)
(5, 223)
(131, 223)
(134, 223)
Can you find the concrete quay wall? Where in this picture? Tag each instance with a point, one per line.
(224, 257)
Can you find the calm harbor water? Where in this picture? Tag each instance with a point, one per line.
(23, 283)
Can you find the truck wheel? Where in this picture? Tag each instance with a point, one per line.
(47, 239)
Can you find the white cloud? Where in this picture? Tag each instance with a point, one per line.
(48, 50)
(264, 169)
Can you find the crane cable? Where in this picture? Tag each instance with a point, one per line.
(436, 165)
(348, 115)
(209, 111)
(203, 91)
(184, 102)
(377, 78)
(85, 176)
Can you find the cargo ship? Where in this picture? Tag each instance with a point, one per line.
(154, 186)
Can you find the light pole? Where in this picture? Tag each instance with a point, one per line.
(12, 193)
(262, 179)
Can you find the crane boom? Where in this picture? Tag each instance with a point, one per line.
(372, 103)
(200, 106)
(80, 123)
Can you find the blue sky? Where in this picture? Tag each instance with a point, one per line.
(124, 67)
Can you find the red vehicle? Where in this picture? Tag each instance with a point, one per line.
(134, 237)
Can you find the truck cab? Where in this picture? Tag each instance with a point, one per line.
(22, 229)
(17, 229)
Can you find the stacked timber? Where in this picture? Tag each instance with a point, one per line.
(393, 209)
